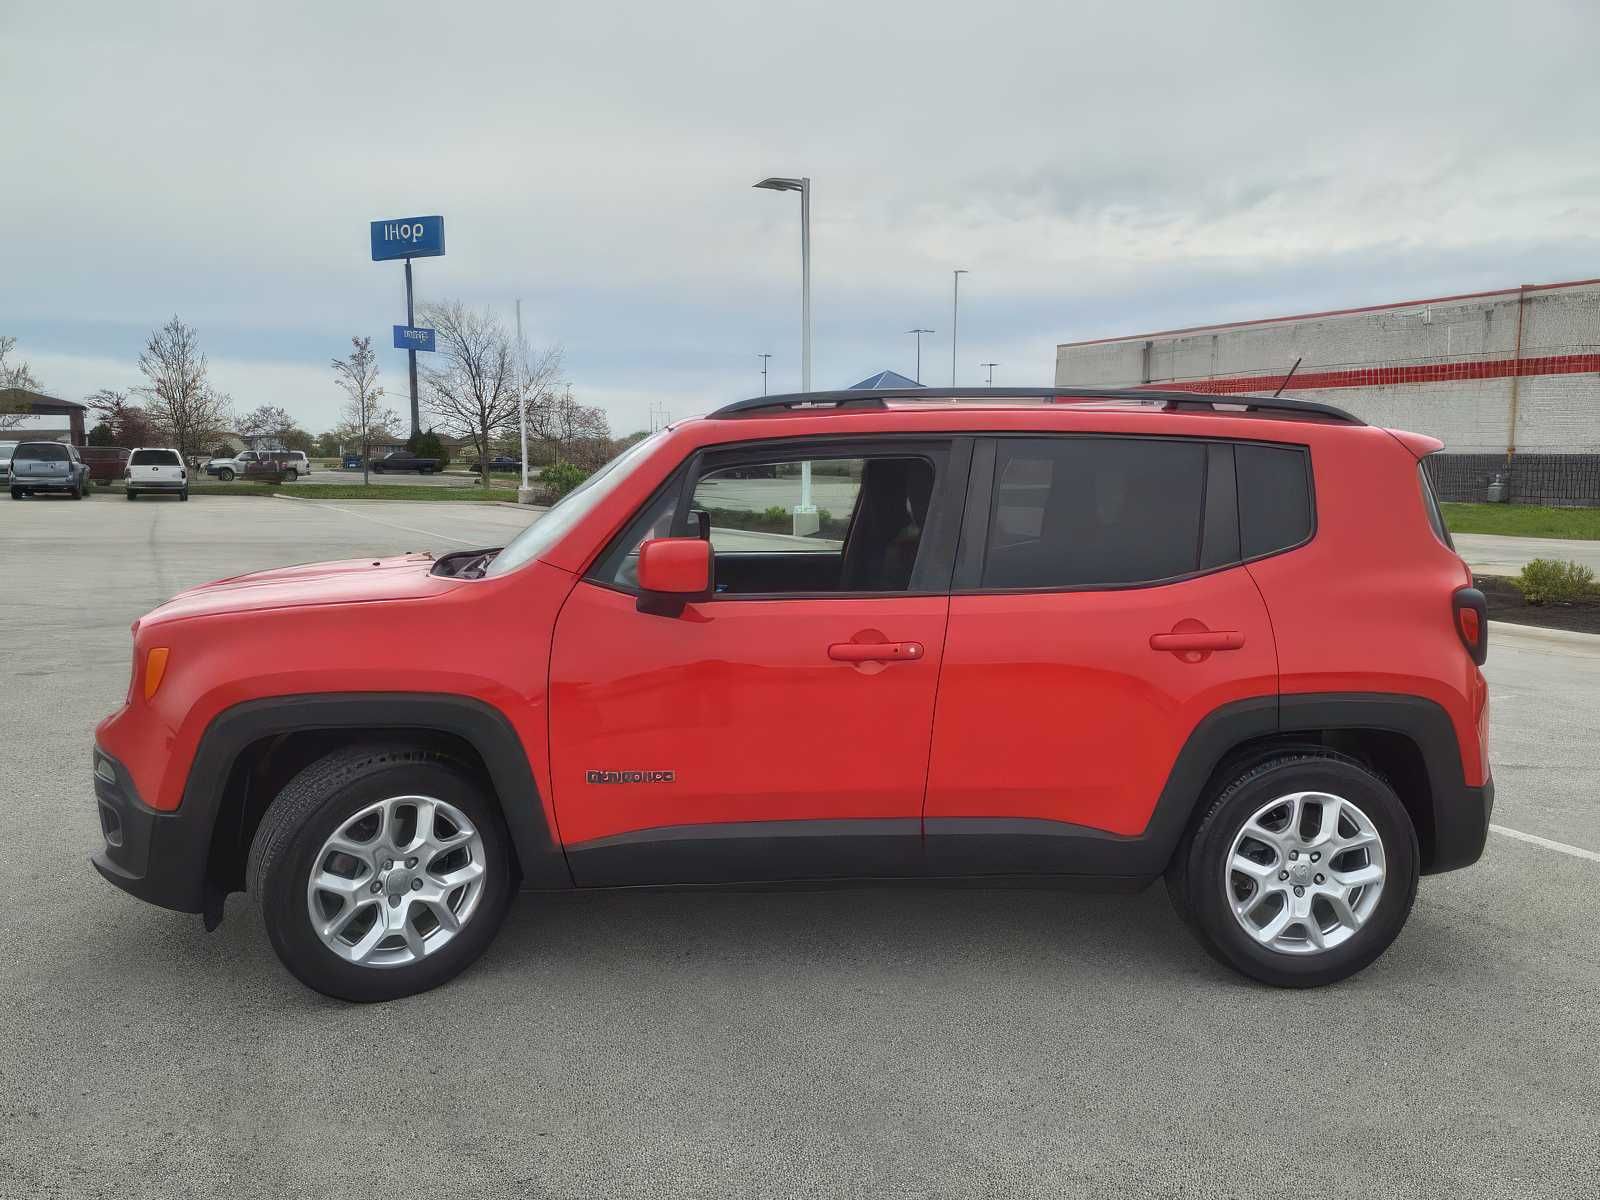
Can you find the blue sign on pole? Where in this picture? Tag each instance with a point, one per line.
(413, 337)
(407, 237)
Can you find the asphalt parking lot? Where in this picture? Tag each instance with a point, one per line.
(847, 1043)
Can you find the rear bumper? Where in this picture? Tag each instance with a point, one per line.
(159, 857)
(1461, 827)
(157, 485)
(28, 484)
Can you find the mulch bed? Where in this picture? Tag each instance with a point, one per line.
(1506, 604)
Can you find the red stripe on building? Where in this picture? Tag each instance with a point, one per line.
(1442, 372)
(1332, 312)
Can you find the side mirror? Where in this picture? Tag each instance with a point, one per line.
(674, 572)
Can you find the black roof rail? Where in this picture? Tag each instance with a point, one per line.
(1170, 400)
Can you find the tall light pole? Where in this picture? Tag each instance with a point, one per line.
(763, 358)
(919, 333)
(805, 513)
(991, 367)
(955, 313)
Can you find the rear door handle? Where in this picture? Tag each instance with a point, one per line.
(1203, 641)
(860, 652)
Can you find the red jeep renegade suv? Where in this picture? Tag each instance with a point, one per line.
(1030, 637)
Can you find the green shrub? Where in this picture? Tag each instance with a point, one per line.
(428, 445)
(776, 512)
(559, 479)
(1546, 581)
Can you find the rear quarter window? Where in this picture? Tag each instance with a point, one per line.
(1275, 503)
(1430, 502)
(154, 458)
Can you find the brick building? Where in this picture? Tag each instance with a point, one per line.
(1508, 380)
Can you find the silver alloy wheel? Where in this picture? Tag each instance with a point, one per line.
(1305, 872)
(396, 881)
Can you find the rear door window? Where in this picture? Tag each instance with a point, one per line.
(1075, 512)
(154, 458)
(42, 452)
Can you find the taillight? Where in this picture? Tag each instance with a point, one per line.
(1472, 622)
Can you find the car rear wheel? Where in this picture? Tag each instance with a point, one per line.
(183, 495)
(291, 474)
(381, 872)
(1301, 871)
(131, 494)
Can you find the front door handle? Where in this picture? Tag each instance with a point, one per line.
(861, 652)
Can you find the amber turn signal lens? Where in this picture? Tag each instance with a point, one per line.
(155, 669)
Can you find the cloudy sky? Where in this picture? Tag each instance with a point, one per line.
(1099, 168)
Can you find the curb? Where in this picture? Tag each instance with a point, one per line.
(1588, 643)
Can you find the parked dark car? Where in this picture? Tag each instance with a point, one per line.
(106, 464)
(47, 467)
(404, 460)
(350, 462)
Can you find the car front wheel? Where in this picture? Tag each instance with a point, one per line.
(1301, 872)
(381, 872)
(225, 475)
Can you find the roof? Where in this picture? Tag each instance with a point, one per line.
(884, 379)
(1332, 312)
(17, 395)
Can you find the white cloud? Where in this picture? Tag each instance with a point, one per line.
(1098, 168)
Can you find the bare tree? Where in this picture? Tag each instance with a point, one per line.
(14, 374)
(267, 423)
(539, 380)
(130, 425)
(358, 376)
(579, 432)
(181, 398)
(474, 392)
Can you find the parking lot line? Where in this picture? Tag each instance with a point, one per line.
(1562, 847)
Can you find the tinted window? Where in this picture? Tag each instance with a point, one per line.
(154, 458)
(1429, 502)
(1274, 497)
(41, 452)
(1085, 512)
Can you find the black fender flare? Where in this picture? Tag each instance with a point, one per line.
(475, 722)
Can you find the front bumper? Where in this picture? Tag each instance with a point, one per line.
(157, 856)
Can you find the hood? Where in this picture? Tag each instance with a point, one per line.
(347, 581)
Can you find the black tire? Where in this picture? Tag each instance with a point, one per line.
(291, 474)
(1197, 879)
(16, 493)
(308, 811)
(183, 495)
(132, 495)
(77, 492)
(225, 474)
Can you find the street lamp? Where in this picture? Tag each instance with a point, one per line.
(991, 367)
(955, 312)
(919, 333)
(805, 513)
(763, 358)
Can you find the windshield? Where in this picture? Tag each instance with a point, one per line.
(570, 509)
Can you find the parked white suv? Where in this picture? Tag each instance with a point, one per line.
(155, 471)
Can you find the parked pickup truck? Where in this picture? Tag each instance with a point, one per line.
(404, 460)
(106, 464)
(47, 467)
(257, 464)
